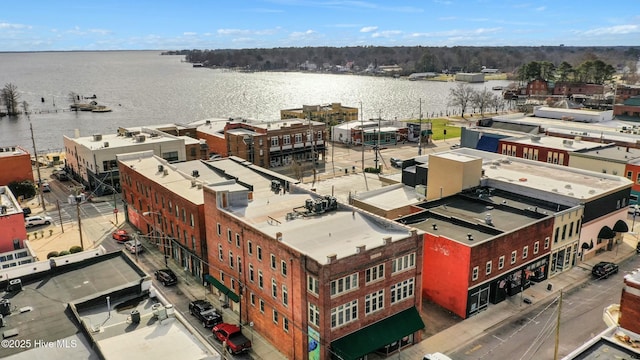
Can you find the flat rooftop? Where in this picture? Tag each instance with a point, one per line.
(8, 202)
(336, 232)
(152, 338)
(391, 197)
(613, 152)
(609, 344)
(458, 216)
(557, 179)
(47, 297)
(115, 140)
(9, 151)
(555, 142)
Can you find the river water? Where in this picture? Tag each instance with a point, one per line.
(146, 88)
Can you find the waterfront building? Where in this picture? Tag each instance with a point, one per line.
(316, 278)
(330, 114)
(542, 148)
(15, 163)
(387, 132)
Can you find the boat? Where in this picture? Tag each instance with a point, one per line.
(101, 108)
(497, 88)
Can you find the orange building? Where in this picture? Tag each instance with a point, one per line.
(15, 163)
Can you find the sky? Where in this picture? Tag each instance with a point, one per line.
(57, 25)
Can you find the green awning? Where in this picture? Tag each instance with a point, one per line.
(376, 336)
(220, 286)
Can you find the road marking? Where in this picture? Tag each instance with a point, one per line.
(498, 338)
(475, 348)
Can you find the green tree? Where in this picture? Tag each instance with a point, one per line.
(564, 71)
(24, 188)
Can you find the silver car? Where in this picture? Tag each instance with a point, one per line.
(37, 220)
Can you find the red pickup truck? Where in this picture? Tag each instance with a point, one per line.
(232, 336)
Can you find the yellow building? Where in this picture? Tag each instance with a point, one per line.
(333, 113)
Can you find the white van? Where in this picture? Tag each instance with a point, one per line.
(436, 356)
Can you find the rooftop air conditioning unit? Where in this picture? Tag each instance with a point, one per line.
(97, 137)
(160, 168)
(106, 144)
(140, 138)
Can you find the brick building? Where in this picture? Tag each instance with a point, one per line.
(13, 232)
(330, 114)
(548, 149)
(15, 163)
(317, 279)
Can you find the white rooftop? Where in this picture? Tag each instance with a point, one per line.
(555, 142)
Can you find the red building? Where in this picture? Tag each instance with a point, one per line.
(548, 149)
(13, 231)
(15, 163)
(316, 278)
(165, 202)
(470, 264)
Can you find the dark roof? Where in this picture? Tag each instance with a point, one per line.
(632, 101)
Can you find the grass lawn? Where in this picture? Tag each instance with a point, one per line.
(439, 126)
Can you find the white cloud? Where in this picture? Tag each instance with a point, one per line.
(4, 25)
(367, 29)
(386, 34)
(301, 34)
(613, 30)
(541, 8)
(233, 32)
(189, 33)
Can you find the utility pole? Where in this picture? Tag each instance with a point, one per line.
(79, 222)
(25, 106)
(362, 134)
(59, 215)
(555, 352)
(420, 132)
(113, 188)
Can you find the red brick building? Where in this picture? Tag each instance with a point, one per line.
(15, 163)
(13, 231)
(316, 278)
(549, 149)
(630, 303)
(165, 202)
(469, 264)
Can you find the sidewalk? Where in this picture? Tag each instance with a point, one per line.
(470, 329)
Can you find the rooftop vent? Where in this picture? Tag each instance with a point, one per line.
(207, 122)
(469, 237)
(97, 137)
(140, 138)
(435, 226)
(195, 173)
(488, 219)
(160, 168)
(165, 172)
(106, 144)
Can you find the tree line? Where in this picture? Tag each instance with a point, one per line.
(411, 58)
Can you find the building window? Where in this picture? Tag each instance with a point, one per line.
(286, 139)
(347, 283)
(488, 268)
(285, 324)
(319, 135)
(536, 247)
(514, 255)
(237, 240)
(344, 314)
(556, 235)
(262, 306)
(273, 261)
(192, 221)
(314, 314)
(274, 141)
(251, 273)
(239, 265)
(403, 263)
(260, 279)
(313, 285)
(546, 243)
(250, 247)
(274, 288)
(275, 316)
(231, 259)
(564, 231)
(285, 296)
(220, 255)
(229, 235)
(259, 250)
(629, 175)
(374, 302)
(298, 138)
(402, 290)
(374, 273)
(501, 262)
(253, 299)
(219, 228)
(525, 252)
(283, 266)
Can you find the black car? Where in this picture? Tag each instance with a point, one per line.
(26, 211)
(604, 269)
(204, 311)
(166, 277)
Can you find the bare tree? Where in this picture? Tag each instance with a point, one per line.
(10, 97)
(460, 96)
(481, 100)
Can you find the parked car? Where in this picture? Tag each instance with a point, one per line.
(121, 236)
(26, 211)
(231, 334)
(436, 356)
(37, 220)
(603, 269)
(395, 162)
(45, 187)
(454, 146)
(62, 176)
(633, 209)
(166, 276)
(204, 311)
(133, 246)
